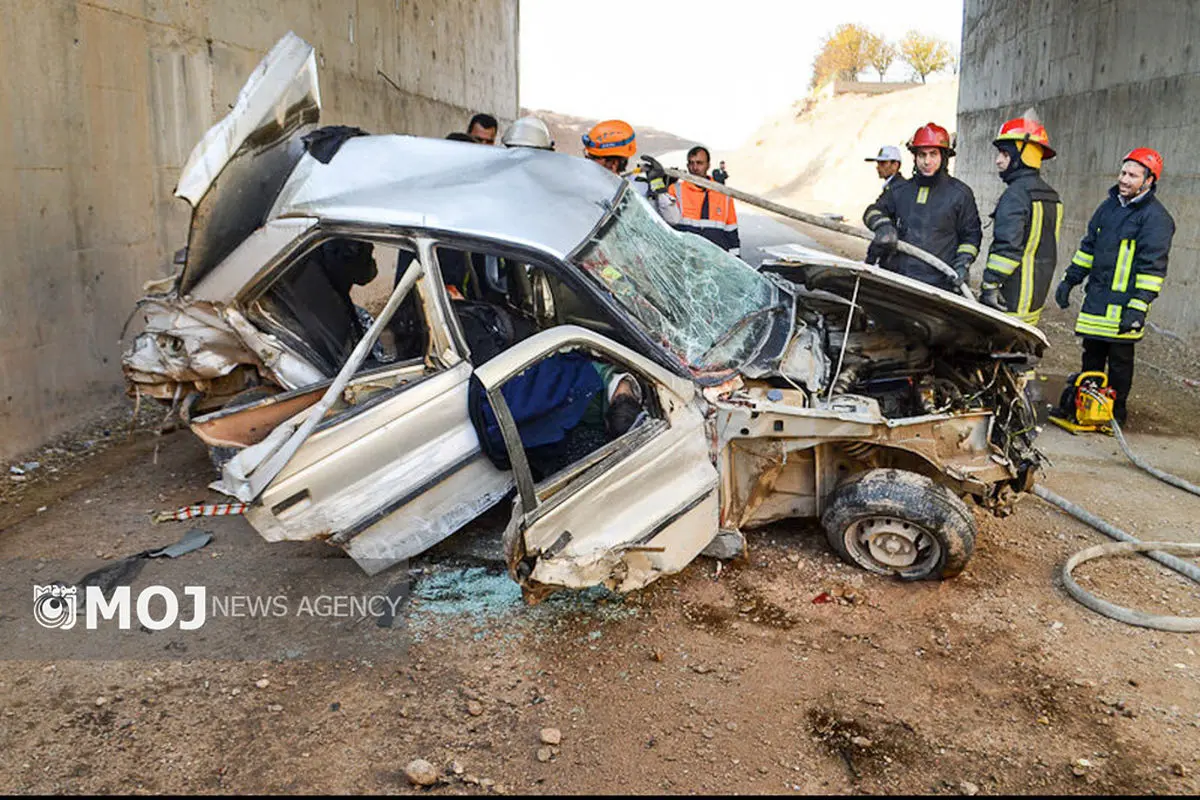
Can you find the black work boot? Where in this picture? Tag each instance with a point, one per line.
(1119, 412)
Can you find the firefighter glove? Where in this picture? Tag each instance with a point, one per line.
(990, 296)
(656, 176)
(884, 243)
(1062, 295)
(1132, 319)
(962, 264)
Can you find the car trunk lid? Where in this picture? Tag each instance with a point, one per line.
(235, 172)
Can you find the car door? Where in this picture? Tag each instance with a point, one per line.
(639, 507)
(393, 465)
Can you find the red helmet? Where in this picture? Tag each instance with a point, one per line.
(1150, 159)
(1026, 130)
(931, 135)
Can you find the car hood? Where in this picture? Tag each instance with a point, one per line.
(950, 321)
(235, 172)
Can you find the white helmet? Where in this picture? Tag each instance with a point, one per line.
(528, 132)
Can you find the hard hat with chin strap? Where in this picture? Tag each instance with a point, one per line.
(1023, 132)
(931, 135)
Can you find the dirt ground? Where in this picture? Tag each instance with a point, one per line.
(737, 680)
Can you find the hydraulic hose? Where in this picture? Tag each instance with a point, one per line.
(1165, 477)
(1128, 544)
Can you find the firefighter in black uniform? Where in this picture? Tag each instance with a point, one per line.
(1123, 257)
(933, 211)
(1024, 252)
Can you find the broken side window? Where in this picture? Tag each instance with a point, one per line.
(710, 308)
(325, 301)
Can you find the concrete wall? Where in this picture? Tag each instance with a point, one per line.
(101, 102)
(1104, 76)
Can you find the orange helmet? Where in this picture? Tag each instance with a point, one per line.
(931, 135)
(612, 137)
(1023, 132)
(1150, 159)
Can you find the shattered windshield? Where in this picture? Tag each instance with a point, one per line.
(708, 307)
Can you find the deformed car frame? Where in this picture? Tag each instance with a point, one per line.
(817, 388)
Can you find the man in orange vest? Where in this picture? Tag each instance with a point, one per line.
(709, 214)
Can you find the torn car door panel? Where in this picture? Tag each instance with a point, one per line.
(645, 508)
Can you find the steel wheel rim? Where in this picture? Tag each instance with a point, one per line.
(891, 545)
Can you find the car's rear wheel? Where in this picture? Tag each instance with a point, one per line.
(900, 523)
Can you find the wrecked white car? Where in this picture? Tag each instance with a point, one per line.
(380, 337)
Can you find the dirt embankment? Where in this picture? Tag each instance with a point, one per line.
(811, 155)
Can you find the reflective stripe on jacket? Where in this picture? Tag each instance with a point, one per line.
(1024, 251)
(936, 214)
(1123, 257)
(709, 214)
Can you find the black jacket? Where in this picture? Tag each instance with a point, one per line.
(895, 182)
(937, 214)
(1024, 252)
(1123, 256)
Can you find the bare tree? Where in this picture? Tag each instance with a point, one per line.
(880, 54)
(925, 54)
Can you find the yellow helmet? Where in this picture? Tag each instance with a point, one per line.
(1024, 132)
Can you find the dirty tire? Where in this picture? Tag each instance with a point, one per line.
(900, 504)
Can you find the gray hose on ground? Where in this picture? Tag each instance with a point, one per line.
(1111, 531)
(1159, 622)
(1128, 544)
(1140, 463)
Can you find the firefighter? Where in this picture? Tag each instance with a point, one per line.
(706, 213)
(1123, 257)
(1024, 251)
(611, 144)
(933, 211)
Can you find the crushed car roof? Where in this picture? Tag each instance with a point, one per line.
(549, 201)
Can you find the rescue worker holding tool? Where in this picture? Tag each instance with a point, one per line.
(1024, 251)
(1123, 257)
(611, 144)
(933, 211)
(706, 213)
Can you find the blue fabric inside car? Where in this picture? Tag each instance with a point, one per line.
(547, 401)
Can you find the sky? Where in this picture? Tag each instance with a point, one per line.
(702, 69)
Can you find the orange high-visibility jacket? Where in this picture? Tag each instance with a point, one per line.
(710, 214)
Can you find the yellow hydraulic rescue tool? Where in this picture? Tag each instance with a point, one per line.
(1086, 405)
